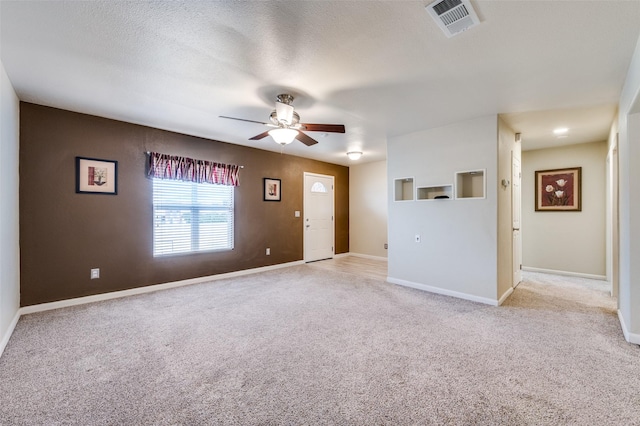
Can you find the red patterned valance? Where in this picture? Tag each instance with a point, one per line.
(165, 166)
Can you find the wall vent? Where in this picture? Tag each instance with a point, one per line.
(453, 16)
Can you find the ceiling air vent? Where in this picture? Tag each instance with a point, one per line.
(453, 16)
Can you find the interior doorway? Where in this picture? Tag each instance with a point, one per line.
(319, 229)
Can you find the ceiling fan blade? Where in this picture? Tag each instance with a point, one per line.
(331, 128)
(260, 136)
(242, 119)
(305, 139)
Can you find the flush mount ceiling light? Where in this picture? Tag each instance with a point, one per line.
(560, 131)
(354, 155)
(283, 136)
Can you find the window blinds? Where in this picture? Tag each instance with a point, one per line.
(191, 217)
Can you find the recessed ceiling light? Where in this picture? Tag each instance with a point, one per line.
(560, 131)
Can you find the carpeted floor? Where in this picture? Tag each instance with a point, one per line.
(304, 345)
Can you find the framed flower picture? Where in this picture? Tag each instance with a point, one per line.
(559, 190)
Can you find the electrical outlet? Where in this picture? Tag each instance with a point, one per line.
(268, 251)
(95, 273)
(417, 238)
(386, 246)
(297, 213)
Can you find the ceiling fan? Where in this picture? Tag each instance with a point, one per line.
(286, 124)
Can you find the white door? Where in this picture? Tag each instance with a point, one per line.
(517, 258)
(612, 220)
(318, 217)
(516, 191)
(516, 199)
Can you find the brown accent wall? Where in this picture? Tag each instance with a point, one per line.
(63, 234)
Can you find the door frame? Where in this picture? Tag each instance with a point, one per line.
(304, 211)
(612, 218)
(516, 222)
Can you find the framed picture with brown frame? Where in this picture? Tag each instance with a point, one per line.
(559, 190)
(272, 189)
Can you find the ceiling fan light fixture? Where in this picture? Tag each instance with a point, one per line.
(354, 155)
(284, 112)
(286, 126)
(283, 136)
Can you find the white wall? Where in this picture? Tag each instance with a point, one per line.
(629, 190)
(629, 300)
(566, 241)
(9, 230)
(368, 209)
(458, 251)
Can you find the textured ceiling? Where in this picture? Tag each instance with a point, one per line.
(587, 124)
(382, 68)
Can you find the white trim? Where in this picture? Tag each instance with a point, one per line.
(443, 186)
(364, 256)
(9, 332)
(443, 291)
(413, 190)
(565, 273)
(305, 202)
(628, 336)
(338, 256)
(505, 295)
(368, 256)
(148, 289)
(456, 185)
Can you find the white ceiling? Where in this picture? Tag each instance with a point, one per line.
(382, 68)
(584, 124)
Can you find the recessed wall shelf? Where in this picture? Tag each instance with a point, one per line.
(471, 184)
(435, 192)
(403, 189)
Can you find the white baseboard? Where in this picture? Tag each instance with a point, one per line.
(364, 256)
(628, 336)
(443, 291)
(368, 256)
(148, 289)
(505, 295)
(9, 332)
(565, 273)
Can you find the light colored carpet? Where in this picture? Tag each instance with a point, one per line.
(304, 345)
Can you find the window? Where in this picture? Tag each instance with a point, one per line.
(191, 217)
(318, 187)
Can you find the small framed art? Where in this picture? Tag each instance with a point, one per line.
(559, 190)
(95, 176)
(272, 189)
